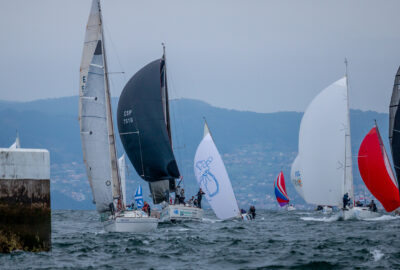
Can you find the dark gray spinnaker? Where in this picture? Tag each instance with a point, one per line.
(394, 125)
(144, 128)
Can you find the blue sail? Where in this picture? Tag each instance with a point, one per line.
(139, 197)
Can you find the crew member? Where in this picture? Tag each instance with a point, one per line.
(199, 197)
(346, 200)
(252, 211)
(372, 206)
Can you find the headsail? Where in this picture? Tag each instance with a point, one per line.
(213, 178)
(296, 176)
(280, 190)
(95, 115)
(16, 144)
(144, 128)
(122, 175)
(323, 154)
(394, 125)
(375, 170)
(139, 197)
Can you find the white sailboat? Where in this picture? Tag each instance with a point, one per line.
(213, 179)
(97, 135)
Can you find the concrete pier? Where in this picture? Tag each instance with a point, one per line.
(25, 213)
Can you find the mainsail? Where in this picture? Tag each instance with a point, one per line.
(144, 128)
(97, 135)
(280, 190)
(375, 170)
(213, 178)
(394, 125)
(324, 147)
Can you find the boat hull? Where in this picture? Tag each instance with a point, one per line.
(132, 221)
(180, 212)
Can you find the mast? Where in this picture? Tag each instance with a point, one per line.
(348, 174)
(116, 181)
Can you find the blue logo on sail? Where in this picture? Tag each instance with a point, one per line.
(139, 197)
(207, 179)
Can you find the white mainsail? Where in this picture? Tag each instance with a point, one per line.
(213, 178)
(95, 118)
(122, 175)
(324, 147)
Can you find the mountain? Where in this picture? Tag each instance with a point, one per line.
(254, 146)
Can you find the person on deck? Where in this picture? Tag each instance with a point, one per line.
(346, 200)
(196, 203)
(146, 208)
(242, 211)
(359, 204)
(177, 194)
(199, 197)
(252, 212)
(372, 206)
(182, 197)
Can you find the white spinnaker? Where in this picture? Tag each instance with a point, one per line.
(122, 175)
(296, 176)
(93, 114)
(213, 179)
(322, 146)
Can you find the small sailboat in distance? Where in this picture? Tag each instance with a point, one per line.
(213, 179)
(105, 173)
(376, 171)
(280, 192)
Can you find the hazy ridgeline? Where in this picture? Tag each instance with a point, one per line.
(254, 146)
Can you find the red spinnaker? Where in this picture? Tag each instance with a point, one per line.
(375, 170)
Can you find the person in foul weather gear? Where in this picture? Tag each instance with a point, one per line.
(199, 197)
(146, 208)
(182, 197)
(177, 194)
(372, 206)
(346, 200)
(252, 212)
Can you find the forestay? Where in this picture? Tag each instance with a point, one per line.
(213, 178)
(324, 150)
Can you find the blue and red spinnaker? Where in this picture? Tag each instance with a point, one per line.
(280, 190)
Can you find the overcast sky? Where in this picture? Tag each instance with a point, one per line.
(262, 56)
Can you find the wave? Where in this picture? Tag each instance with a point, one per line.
(383, 218)
(376, 254)
(322, 219)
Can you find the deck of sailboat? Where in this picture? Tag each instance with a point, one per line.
(181, 212)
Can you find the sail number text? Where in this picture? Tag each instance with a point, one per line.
(127, 117)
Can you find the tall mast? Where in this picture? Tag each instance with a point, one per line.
(116, 181)
(348, 175)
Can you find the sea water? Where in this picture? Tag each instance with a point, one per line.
(275, 240)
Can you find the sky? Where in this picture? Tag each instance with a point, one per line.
(262, 56)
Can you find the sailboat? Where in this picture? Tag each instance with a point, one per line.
(376, 171)
(213, 179)
(97, 135)
(323, 168)
(145, 130)
(280, 192)
(394, 125)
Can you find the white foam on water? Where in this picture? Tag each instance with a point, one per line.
(383, 218)
(211, 220)
(146, 242)
(377, 254)
(323, 219)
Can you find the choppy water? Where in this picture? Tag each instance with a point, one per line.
(276, 240)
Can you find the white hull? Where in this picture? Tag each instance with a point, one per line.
(246, 217)
(131, 221)
(290, 208)
(359, 213)
(180, 212)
